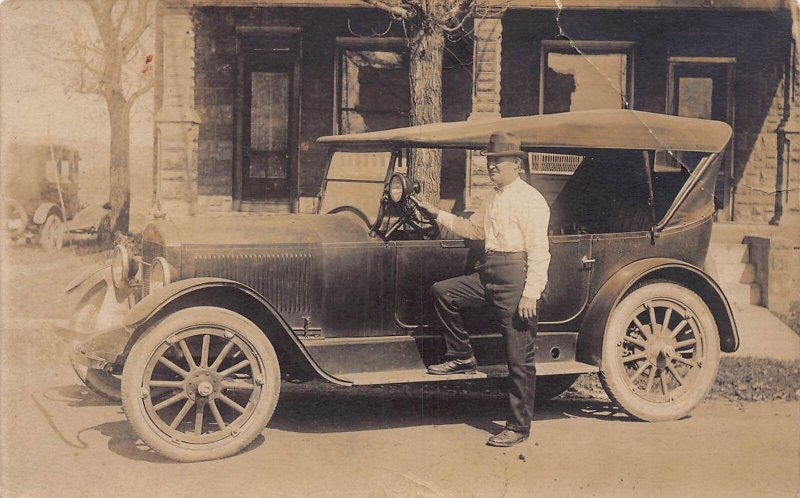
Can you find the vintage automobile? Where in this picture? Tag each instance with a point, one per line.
(42, 201)
(225, 308)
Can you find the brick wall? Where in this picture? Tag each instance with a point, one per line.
(215, 90)
(758, 40)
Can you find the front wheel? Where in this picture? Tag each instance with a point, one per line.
(16, 220)
(660, 352)
(104, 238)
(200, 384)
(51, 238)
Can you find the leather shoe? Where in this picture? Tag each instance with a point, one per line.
(507, 438)
(470, 365)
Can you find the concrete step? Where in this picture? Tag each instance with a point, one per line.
(742, 294)
(736, 273)
(728, 252)
(735, 232)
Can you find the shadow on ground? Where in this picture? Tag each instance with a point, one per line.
(318, 409)
(329, 409)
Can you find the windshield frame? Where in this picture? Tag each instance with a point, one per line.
(395, 154)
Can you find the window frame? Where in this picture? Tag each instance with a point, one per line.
(351, 43)
(572, 46)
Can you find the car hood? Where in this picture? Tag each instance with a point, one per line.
(258, 230)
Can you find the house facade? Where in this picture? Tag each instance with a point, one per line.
(244, 88)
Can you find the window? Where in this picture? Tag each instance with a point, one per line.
(269, 124)
(57, 171)
(581, 76)
(374, 91)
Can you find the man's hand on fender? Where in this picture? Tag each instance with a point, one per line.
(526, 308)
(426, 206)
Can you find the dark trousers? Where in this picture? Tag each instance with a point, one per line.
(498, 283)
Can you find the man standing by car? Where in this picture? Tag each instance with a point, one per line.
(512, 220)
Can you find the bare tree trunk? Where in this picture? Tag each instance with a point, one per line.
(427, 47)
(119, 172)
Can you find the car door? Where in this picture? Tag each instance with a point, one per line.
(568, 279)
(419, 265)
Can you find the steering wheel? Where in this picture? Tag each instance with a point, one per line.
(400, 194)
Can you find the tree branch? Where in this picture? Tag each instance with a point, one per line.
(141, 23)
(458, 26)
(121, 17)
(395, 10)
(139, 92)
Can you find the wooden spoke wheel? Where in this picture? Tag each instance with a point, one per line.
(201, 384)
(660, 352)
(51, 237)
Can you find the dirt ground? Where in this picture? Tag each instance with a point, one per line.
(58, 439)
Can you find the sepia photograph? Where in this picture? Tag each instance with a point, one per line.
(400, 248)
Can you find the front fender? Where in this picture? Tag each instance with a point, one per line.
(90, 276)
(44, 210)
(590, 339)
(99, 273)
(231, 295)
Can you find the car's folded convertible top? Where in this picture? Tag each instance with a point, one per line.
(603, 129)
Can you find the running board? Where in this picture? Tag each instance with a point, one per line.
(422, 375)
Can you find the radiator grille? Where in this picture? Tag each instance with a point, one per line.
(282, 278)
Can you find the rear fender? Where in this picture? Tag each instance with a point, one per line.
(236, 297)
(590, 339)
(44, 210)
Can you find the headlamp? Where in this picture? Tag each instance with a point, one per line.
(121, 267)
(160, 274)
(399, 188)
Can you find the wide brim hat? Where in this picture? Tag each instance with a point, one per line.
(504, 144)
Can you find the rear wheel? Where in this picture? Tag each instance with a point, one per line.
(660, 352)
(51, 237)
(201, 384)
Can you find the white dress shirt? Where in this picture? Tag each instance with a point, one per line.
(511, 219)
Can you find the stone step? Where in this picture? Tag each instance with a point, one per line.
(726, 252)
(743, 294)
(736, 273)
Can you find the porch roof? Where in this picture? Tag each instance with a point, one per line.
(519, 4)
(603, 129)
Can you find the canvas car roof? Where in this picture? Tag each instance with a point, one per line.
(606, 129)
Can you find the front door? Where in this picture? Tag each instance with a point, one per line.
(265, 172)
(702, 87)
(266, 158)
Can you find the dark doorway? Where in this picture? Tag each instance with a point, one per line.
(702, 87)
(265, 174)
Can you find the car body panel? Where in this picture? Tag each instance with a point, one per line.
(217, 291)
(341, 297)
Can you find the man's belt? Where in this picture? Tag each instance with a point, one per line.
(490, 253)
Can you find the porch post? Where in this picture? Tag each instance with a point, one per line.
(485, 98)
(787, 202)
(176, 122)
